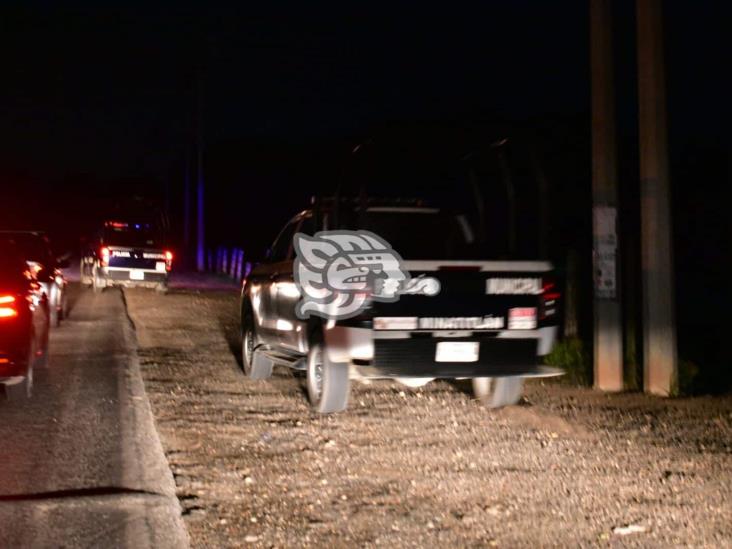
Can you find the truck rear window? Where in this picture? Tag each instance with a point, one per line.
(130, 238)
(419, 234)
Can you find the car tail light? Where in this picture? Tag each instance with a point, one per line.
(549, 298)
(7, 306)
(168, 260)
(104, 253)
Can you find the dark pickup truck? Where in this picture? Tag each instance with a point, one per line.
(326, 302)
(126, 253)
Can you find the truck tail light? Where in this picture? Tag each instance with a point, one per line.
(549, 298)
(7, 306)
(168, 260)
(104, 255)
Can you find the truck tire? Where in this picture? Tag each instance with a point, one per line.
(23, 390)
(86, 280)
(255, 364)
(496, 392)
(328, 382)
(98, 283)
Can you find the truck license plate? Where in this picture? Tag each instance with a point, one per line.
(457, 351)
(136, 274)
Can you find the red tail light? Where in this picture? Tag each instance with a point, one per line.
(168, 260)
(7, 306)
(104, 253)
(549, 291)
(549, 299)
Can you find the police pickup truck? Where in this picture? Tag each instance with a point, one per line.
(386, 291)
(126, 253)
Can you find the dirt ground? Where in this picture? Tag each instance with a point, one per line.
(421, 468)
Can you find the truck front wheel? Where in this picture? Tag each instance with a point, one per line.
(327, 381)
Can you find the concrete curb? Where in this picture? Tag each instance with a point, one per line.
(145, 465)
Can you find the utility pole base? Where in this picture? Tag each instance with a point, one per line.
(608, 348)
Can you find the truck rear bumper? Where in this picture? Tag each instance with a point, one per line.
(407, 354)
(122, 276)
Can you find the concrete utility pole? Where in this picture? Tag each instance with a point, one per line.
(608, 340)
(659, 324)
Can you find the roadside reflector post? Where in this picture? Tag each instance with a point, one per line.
(659, 323)
(239, 263)
(608, 333)
(234, 261)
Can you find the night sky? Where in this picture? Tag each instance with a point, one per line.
(102, 102)
(117, 87)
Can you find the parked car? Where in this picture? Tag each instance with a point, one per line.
(489, 321)
(35, 248)
(24, 323)
(126, 253)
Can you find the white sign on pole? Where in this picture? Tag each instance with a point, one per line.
(604, 220)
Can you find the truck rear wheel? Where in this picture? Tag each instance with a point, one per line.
(23, 390)
(86, 279)
(327, 381)
(496, 392)
(98, 283)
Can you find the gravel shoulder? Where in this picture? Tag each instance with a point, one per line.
(427, 467)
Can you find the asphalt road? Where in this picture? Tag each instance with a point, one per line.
(81, 464)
